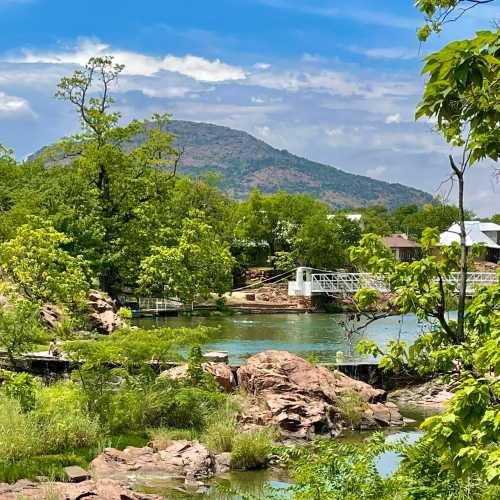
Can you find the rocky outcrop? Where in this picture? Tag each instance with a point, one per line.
(102, 489)
(188, 460)
(51, 315)
(103, 316)
(221, 372)
(431, 396)
(304, 400)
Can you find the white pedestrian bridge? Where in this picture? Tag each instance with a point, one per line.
(309, 281)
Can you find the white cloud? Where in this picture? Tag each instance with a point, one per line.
(352, 12)
(197, 68)
(257, 100)
(376, 172)
(333, 82)
(13, 105)
(261, 65)
(263, 131)
(333, 132)
(401, 53)
(395, 118)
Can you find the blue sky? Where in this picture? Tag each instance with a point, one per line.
(334, 81)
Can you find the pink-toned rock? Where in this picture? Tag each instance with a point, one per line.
(182, 459)
(104, 318)
(301, 398)
(103, 489)
(51, 315)
(221, 372)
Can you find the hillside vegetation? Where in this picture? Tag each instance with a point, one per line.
(246, 162)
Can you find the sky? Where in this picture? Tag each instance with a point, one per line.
(333, 81)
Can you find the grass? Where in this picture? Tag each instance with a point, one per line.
(351, 406)
(221, 428)
(52, 466)
(162, 437)
(251, 450)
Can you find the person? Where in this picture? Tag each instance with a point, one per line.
(53, 350)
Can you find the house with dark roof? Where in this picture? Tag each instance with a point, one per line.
(404, 249)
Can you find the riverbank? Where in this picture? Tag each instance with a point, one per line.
(302, 401)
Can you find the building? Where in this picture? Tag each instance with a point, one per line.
(358, 218)
(485, 233)
(404, 249)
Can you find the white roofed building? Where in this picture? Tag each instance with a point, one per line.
(485, 233)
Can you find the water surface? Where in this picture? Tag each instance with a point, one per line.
(318, 334)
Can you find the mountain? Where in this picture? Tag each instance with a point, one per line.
(246, 162)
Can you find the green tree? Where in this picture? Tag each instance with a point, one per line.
(122, 180)
(36, 263)
(465, 438)
(462, 94)
(19, 328)
(323, 243)
(438, 215)
(376, 220)
(196, 264)
(440, 12)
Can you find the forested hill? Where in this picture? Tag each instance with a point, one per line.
(246, 162)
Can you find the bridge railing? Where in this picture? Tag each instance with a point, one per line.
(351, 282)
(156, 304)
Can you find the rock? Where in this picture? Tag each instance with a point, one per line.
(181, 459)
(223, 463)
(217, 357)
(104, 318)
(103, 489)
(431, 396)
(300, 398)
(51, 315)
(76, 474)
(221, 372)
(250, 296)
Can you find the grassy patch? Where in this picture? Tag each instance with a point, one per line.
(251, 450)
(52, 466)
(221, 428)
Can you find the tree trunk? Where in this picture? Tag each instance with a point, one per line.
(462, 289)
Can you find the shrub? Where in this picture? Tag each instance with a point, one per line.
(19, 435)
(351, 406)
(221, 428)
(62, 418)
(251, 450)
(20, 386)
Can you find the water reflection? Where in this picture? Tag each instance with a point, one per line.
(316, 334)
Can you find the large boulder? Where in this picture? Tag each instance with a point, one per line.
(187, 460)
(102, 489)
(304, 400)
(103, 312)
(221, 372)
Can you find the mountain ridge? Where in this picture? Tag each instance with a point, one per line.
(247, 162)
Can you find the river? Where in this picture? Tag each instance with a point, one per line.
(317, 334)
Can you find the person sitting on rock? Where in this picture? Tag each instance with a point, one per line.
(53, 350)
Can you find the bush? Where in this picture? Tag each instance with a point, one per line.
(20, 386)
(62, 419)
(251, 450)
(221, 429)
(19, 436)
(351, 406)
